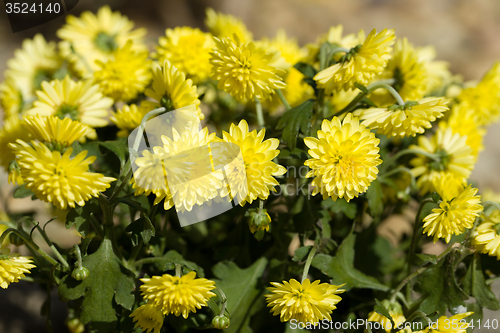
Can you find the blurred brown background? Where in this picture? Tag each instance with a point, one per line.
(464, 32)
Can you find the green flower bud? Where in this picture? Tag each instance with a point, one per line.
(258, 221)
(80, 273)
(15, 239)
(220, 322)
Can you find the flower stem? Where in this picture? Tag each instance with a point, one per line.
(78, 255)
(371, 87)
(260, 114)
(414, 236)
(308, 262)
(283, 99)
(51, 245)
(28, 242)
(403, 152)
(393, 92)
(223, 299)
(178, 270)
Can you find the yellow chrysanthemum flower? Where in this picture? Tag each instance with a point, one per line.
(11, 100)
(13, 268)
(288, 49)
(188, 49)
(453, 157)
(11, 131)
(94, 37)
(490, 195)
(306, 302)
(128, 118)
(243, 70)
(396, 313)
(464, 122)
(437, 71)
(56, 177)
(484, 98)
(258, 155)
(297, 91)
(446, 325)
(178, 295)
(223, 25)
(35, 62)
(340, 99)
(148, 317)
(80, 101)
(360, 64)
(409, 119)
(344, 158)
(454, 214)
(409, 72)
(53, 130)
(171, 90)
(125, 74)
(486, 236)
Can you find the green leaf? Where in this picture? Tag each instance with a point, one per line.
(143, 228)
(477, 315)
(475, 285)
(340, 206)
(439, 288)
(427, 258)
(172, 257)
(108, 280)
(298, 118)
(301, 253)
(118, 147)
(80, 217)
(22, 192)
(374, 195)
(380, 309)
(244, 295)
(132, 203)
(341, 268)
(306, 69)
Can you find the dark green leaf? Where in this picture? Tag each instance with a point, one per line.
(301, 253)
(380, 309)
(118, 147)
(22, 192)
(172, 257)
(340, 206)
(306, 69)
(132, 203)
(341, 268)
(244, 295)
(143, 228)
(108, 280)
(298, 118)
(374, 195)
(80, 217)
(427, 258)
(477, 315)
(475, 285)
(361, 87)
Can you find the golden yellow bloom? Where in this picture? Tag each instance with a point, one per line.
(486, 237)
(56, 177)
(80, 101)
(125, 74)
(360, 64)
(409, 72)
(437, 71)
(11, 100)
(13, 268)
(258, 155)
(449, 325)
(409, 119)
(243, 70)
(464, 122)
(171, 90)
(396, 313)
(453, 157)
(148, 317)
(484, 98)
(11, 131)
(188, 49)
(223, 25)
(454, 214)
(306, 302)
(287, 49)
(52, 129)
(340, 99)
(95, 37)
(128, 118)
(297, 91)
(344, 158)
(35, 62)
(178, 295)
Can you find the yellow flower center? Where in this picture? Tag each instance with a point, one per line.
(105, 42)
(67, 111)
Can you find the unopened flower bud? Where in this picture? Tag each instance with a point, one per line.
(258, 220)
(80, 273)
(220, 322)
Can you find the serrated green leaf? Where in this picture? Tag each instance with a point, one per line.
(475, 285)
(341, 268)
(142, 228)
(301, 253)
(118, 147)
(108, 281)
(244, 295)
(298, 118)
(381, 310)
(374, 196)
(80, 217)
(340, 206)
(22, 192)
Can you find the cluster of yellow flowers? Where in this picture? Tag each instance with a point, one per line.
(55, 96)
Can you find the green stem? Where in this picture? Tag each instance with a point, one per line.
(400, 169)
(394, 93)
(308, 262)
(261, 205)
(371, 87)
(223, 299)
(403, 152)
(491, 203)
(260, 114)
(30, 243)
(78, 255)
(283, 99)
(178, 270)
(420, 314)
(51, 246)
(150, 260)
